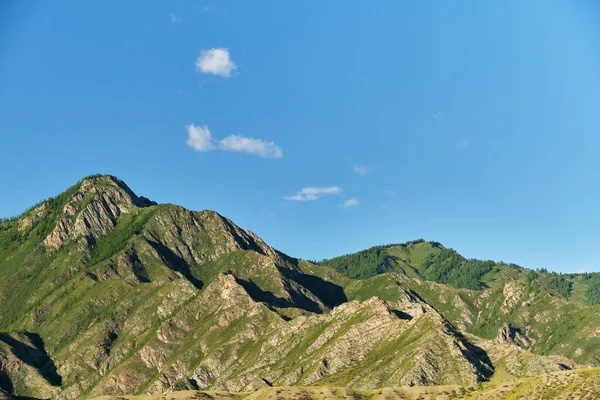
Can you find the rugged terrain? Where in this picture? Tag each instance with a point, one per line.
(574, 385)
(105, 293)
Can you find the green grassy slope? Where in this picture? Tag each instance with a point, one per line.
(482, 296)
(127, 296)
(575, 385)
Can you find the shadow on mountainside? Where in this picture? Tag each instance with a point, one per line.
(35, 357)
(176, 263)
(300, 287)
(296, 301)
(401, 314)
(476, 356)
(5, 382)
(330, 294)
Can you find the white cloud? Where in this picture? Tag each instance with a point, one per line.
(216, 62)
(256, 147)
(175, 18)
(351, 203)
(359, 169)
(438, 115)
(314, 193)
(200, 139)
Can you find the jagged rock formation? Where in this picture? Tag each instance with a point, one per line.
(112, 294)
(510, 335)
(92, 212)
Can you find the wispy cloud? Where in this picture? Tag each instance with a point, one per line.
(351, 203)
(215, 61)
(438, 115)
(359, 169)
(314, 193)
(257, 147)
(390, 192)
(175, 18)
(201, 139)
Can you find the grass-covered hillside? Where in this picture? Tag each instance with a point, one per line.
(104, 292)
(574, 385)
(433, 262)
(554, 313)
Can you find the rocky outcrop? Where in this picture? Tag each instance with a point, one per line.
(32, 217)
(511, 335)
(93, 211)
(513, 293)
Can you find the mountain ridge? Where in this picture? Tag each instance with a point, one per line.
(129, 296)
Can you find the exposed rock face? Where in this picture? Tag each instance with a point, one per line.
(506, 355)
(93, 211)
(265, 347)
(510, 335)
(26, 222)
(513, 293)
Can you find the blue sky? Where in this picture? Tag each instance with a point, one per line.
(324, 127)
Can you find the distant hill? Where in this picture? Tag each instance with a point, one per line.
(104, 292)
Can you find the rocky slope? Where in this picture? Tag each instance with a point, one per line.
(573, 385)
(542, 320)
(107, 293)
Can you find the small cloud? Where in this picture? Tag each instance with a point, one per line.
(201, 139)
(216, 62)
(359, 169)
(174, 18)
(390, 192)
(351, 203)
(314, 193)
(437, 116)
(257, 147)
(462, 144)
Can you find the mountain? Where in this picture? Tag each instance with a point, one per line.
(104, 292)
(546, 313)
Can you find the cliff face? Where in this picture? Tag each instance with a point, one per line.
(108, 293)
(93, 212)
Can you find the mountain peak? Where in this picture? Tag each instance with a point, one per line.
(99, 181)
(92, 208)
